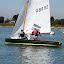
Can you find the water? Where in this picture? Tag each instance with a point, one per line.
(18, 54)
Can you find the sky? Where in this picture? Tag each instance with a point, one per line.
(8, 8)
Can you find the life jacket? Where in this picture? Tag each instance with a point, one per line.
(35, 31)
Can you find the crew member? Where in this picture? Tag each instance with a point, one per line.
(22, 35)
(35, 34)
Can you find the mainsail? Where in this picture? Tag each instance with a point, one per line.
(38, 16)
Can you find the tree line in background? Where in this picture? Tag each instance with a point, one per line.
(7, 20)
(54, 22)
(57, 22)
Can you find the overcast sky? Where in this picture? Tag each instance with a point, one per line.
(8, 8)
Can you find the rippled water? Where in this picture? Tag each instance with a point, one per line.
(18, 54)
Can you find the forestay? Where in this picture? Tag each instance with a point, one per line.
(38, 16)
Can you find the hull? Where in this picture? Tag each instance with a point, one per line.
(32, 42)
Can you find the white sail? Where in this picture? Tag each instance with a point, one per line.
(18, 26)
(38, 16)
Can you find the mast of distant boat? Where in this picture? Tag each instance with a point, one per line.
(25, 13)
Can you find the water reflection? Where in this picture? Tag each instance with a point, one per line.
(35, 55)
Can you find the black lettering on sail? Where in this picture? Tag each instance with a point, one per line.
(36, 10)
(45, 7)
(42, 8)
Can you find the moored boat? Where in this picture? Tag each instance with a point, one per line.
(52, 33)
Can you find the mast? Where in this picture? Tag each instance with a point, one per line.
(25, 13)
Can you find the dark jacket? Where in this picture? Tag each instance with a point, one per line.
(22, 34)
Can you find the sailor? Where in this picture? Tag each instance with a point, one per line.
(22, 35)
(35, 34)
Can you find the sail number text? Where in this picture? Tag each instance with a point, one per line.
(42, 8)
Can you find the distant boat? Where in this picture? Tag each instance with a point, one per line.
(62, 30)
(36, 14)
(52, 33)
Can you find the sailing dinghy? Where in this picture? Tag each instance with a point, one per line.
(35, 14)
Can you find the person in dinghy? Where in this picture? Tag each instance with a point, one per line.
(35, 34)
(22, 35)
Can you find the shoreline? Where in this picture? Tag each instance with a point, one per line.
(51, 27)
(58, 27)
(6, 26)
